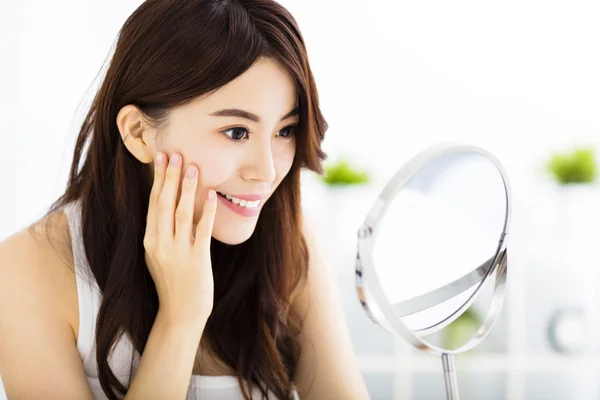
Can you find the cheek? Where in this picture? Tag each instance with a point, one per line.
(284, 160)
(214, 169)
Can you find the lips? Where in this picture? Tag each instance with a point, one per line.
(241, 201)
(242, 208)
(247, 197)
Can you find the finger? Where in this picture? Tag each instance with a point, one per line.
(167, 199)
(184, 215)
(205, 225)
(157, 184)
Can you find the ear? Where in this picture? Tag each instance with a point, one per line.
(137, 135)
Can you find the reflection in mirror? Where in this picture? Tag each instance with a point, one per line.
(439, 237)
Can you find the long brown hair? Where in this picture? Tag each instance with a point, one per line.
(168, 53)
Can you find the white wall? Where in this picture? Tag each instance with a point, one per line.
(518, 77)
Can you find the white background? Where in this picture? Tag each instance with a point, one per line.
(520, 78)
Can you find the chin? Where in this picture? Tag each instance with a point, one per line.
(233, 235)
(231, 239)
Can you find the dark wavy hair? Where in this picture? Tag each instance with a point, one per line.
(168, 53)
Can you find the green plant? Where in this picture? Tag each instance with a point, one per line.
(343, 173)
(578, 166)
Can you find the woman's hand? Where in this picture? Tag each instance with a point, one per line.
(177, 255)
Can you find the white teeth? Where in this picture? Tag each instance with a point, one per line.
(243, 203)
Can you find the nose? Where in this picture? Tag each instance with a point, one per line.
(260, 165)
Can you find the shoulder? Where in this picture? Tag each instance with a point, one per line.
(326, 349)
(36, 272)
(38, 301)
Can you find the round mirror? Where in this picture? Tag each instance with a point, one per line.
(432, 244)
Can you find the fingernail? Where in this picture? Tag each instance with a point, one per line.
(160, 158)
(190, 171)
(175, 158)
(211, 195)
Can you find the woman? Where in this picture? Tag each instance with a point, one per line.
(178, 262)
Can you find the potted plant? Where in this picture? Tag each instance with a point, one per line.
(346, 197)
(575, 174)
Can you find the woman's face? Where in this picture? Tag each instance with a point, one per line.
(242, 139)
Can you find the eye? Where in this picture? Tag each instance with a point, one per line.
(288, 131)
(237, 134)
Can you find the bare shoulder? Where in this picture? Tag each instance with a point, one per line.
(327, 367)
(38, 315)
(36, 271)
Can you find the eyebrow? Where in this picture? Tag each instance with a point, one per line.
(234, 112)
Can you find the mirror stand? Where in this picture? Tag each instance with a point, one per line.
(450, 376)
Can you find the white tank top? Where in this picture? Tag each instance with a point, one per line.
(120, 361)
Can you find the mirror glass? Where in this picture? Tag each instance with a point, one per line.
(439, 236)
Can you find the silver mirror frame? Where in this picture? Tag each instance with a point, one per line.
(370, 292)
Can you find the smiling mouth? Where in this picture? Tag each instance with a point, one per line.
(240, 202)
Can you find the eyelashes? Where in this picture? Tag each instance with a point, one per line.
(233, 134)
(240, 134)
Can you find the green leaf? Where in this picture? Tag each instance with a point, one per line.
(579, 166)
(342, 173)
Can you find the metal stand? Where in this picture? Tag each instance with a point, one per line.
(450, 376)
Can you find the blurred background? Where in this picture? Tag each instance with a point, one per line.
(519, 78)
